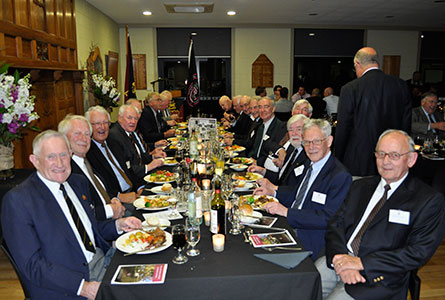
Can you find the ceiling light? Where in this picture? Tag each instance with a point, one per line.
(389, 17)
(422, 36)
(339, 61)
(313, 14)
(231, 13)
(147, 13)
(189, 8)
(311, 34)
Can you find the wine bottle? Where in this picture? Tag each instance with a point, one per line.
(194, 201)
(217, 210)
(193, 146)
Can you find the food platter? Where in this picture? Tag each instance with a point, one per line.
(127, 242)
(247, 177)
(161, 176)
(235, 148)
(241, 160)
(241, 188)
(256, 215)
(257, 201)
(156, 202)
(238, 167)
(170, 161)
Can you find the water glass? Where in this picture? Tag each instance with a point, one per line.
(193, 235)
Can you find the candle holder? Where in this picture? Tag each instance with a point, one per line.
(218, 241)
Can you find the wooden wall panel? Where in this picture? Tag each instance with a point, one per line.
(21, 12)
(10, 45)
(50, 13)
(26, 49)
(37, 15)
(7, 13)
(60, 17)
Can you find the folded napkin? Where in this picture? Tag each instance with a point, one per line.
(286, 260)
(169, 215)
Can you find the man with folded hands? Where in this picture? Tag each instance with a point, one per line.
(50, 229)
(388, 226)
(321, 187)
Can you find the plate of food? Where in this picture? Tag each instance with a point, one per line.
(248, 215)
(173, 139)
(235, 148)
(241, 185)
(170, 161)
(152, 221)
(257, 201)
(161, 176)
(241, 160)
(166, 188)
(153, 241)
(238, 167)
(153, 202)
(249, 176)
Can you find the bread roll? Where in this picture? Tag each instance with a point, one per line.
(246, 209)
(166, 187)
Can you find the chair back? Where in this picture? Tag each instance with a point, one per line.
(414, 285)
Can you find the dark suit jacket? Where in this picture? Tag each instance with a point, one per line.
(388, 251)
(311, 221)
(242, 125)
(120, 144)
(318, 105)
(247, 140)
(42, 242)
(99, 209)
(420, 122)
(368, 106)
(277, 129)
(288, 178)
(103, 169)
(148, 126)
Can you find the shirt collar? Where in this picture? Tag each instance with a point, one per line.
(320, 164)
(393, 185)
(52, 185)
(372, 68)
(80, 161)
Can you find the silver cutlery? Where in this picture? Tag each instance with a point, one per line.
(270, 249)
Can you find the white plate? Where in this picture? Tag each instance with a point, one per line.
(147, 178)
(249, 220)
(139, 203)
(121, 246)
(238, 167)
(257, 175)
(158, 190)
(258, 196)
(170, 164)
(162, 223)
(246, 187)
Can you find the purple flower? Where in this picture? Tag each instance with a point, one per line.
(23, 118)
(13, 126)
(14, 93)
(1, 118)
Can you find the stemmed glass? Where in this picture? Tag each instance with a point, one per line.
(227, 186)
(179, 242)
(235, 216)
(193, 235)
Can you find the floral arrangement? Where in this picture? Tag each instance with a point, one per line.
(16, 107)
(104, 89)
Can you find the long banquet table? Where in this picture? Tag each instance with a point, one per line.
(232, 274)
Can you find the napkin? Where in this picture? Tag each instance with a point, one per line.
(286, 260)
(169, 215)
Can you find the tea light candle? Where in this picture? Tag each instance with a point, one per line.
(218, 242)
(207, 218)
(202, 169)
(205, 184)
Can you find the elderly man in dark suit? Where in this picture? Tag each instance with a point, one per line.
(320, 190)
(368, 106)
(78, 131)
(125, 142)
(426, 120)
(50, 229)
(387, 226)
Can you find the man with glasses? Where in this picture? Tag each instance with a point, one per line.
(320, 190)
(388, 226)
(426, 120)
(368, 106)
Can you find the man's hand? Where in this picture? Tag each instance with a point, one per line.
(171, 122)
(128, 224)
(263, 190)
(127, 197)
(228, 135)
(161, 143)
(89, 289)
(158, 153)
(438, 125)
(264, 182)
(280, 160)
(155, 163)
(228, 141)
(256, 169)
(352, 277)
(169, 133)
(118, 208)
(276, 208)
(175, 117)
(344, 262)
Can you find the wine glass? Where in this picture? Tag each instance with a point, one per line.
(235, 216)
(193, 235)
(179, 242)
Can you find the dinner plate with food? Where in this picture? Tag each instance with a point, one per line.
(241, 185)
(248, 215)
(238, 167)
(235, 148)
(153, 241)
(170, 161)
(249, 176)
(241, 160)
(161, 176)
(152, 221)
(153, 202)
(166, 188)
(257, 201)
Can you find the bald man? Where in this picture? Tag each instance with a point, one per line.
(368, 106)
(331, 100)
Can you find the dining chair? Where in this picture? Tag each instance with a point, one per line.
(14, 265)
(414, 285)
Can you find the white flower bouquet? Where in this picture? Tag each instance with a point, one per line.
(104, 89)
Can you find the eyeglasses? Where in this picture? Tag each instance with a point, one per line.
(316, 142)
(105, 123)
(263, 106)
(391, 155)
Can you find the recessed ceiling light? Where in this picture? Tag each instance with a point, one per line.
(147, 13)
(311, 34)
(422, 36)
(194, 33)
(339, 61)
(389, 17)
(313, 14)
(231, 13)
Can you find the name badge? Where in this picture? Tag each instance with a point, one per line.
(319, 198)
(128, 164)
(298, 171)
(266, 137)
(252, 133)
(399, 216)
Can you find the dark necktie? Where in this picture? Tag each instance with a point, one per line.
(136, 145)
(355, 244)
(127, 180)
(431, 122)
(159, 120)
(256, 143)
(96, 182)
(79, 225)
(290, 162)
(303, 188)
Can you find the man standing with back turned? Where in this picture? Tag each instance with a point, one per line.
(368, 106)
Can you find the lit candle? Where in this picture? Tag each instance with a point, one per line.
(218, 242)
(201, 169)
(205, 184)
(207, 218)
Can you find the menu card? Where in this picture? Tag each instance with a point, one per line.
(263, 222)
(140, 274)
(272, 239)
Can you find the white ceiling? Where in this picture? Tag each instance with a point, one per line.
(396, 14)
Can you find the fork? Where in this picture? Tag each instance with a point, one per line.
(270, 249)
